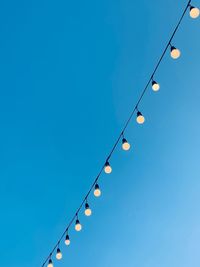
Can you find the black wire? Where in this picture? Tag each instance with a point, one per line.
(122, 132)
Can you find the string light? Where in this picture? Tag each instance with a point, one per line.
(125, 145)
(175, 53)
(97, 191)
(58, 254)
(194, 12)
(155, 86)
(78, 226)
(50, 264)
(140, 118)
(107, 168)
(88, 211)
(67, 240)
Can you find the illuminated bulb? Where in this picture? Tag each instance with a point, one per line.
(175, 53)
(140, 118)
(194, 12)
(97, 191)
(50, 264)
(78, 226)
(107, 168)
(58, 254)
(155, 86)
(67, 240)
(88, 211)
(125, 145)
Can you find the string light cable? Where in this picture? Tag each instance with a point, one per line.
(175, 53)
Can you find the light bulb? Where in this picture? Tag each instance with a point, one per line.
(194, 12)
(78, 226)
(67, 240)
(50, 264)
(175, 53)
(155, 86)
(58, 254)
(140, 118)
(107, 168)
(125, 145)
(97, 191)
(88, 211)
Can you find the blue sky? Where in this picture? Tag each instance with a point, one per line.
(71, 72)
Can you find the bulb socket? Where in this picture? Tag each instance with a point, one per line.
(172, 48)
(87, 206)
(96, 186)
(124, 140)
(107, 164)
(154, 82)
(139, 114)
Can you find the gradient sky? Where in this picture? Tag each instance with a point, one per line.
(71, 72)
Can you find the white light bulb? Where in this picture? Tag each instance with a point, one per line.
(88, 211)
(155, 86)
(194, 12)
(97, 191)
(67, 240)
(140, 118)
(50, 264)
(175, 53)
(78, 226)
(107, 168)
(125, 145)
(58, 254)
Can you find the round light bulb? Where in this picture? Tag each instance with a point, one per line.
(107, 168)
(88, 211)
(175, 53)
(125, 145)
(58, 254)
(67, 240)
(194, 12)
(140, 118)
(78, 226)
(155, 86)
(50, 264)
(97, 191)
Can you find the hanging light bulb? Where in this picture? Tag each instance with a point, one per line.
(88, 211)
(125, 145)
(140, 118)
(194, 12)
(97, 191)
(58, 254)
(175, 53)
(107, 168)
(155, 86)
(50, 264)
(67, 240)
(78, 226)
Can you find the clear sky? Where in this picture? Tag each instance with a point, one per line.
(70, 73)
